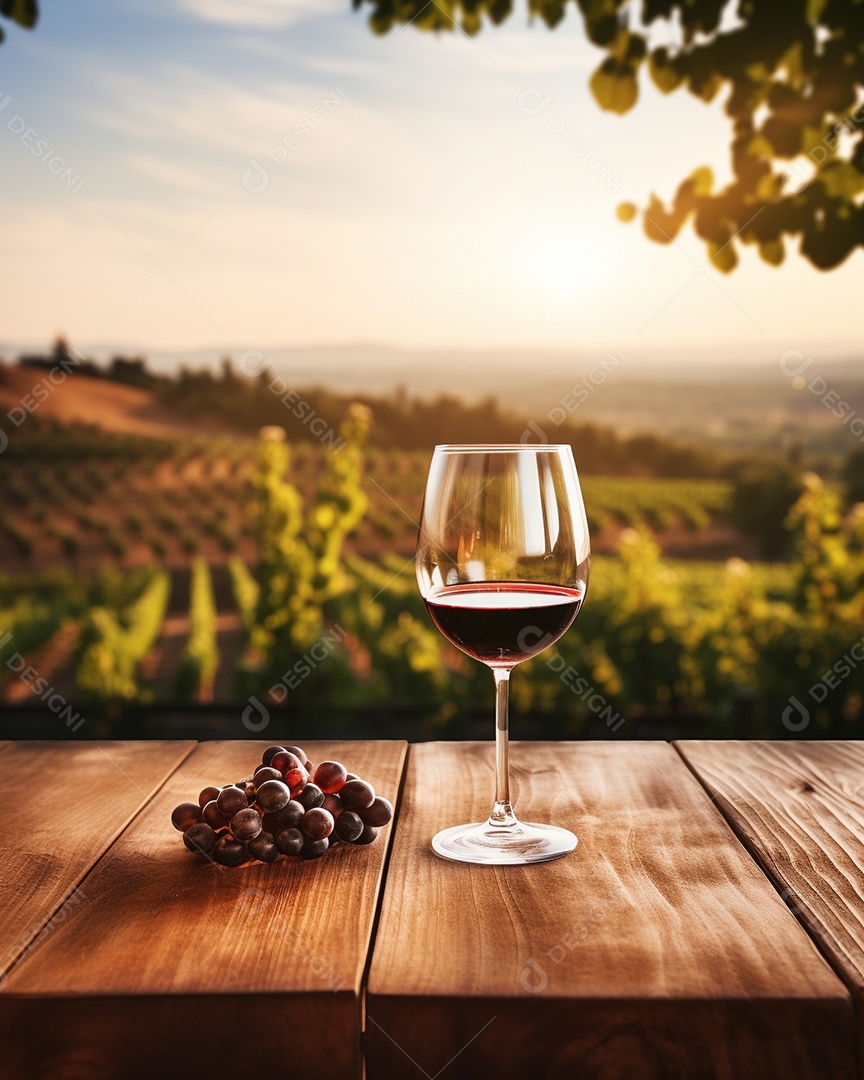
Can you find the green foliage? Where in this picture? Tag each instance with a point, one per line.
(761, 500)
(246, 591)
(113, 644)
(828, 562)
(791, 74)
(661, 503)
(393, 653)
(655, 637)
(853, 476)
(23, 12)
(31, 621)
(201, 656)
(299, 546)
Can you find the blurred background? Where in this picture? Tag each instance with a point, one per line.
(259, 258)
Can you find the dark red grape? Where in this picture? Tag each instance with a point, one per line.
(330, 776)
(357, 794)
(273, 795)
(334, 804)
(348, 826)
(379, 813)
(285, 760)
(288, 806)
(290, 841)
(231, 799)
(311, 796)
(246, 824)
(317, 823)
(263, 847)
(267, 756)
(367, 836)
(265, 773)
(214, 816)
(299, 752)
(296, 780)
(200, 838)
(290, 815)
(186, 815)
(228, 851)
(207, 795)
(314, 849)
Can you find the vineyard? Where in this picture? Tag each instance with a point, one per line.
(92, 498)
(258, 572)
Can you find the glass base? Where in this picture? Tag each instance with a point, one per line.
(507, 845)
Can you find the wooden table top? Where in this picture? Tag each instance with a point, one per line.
(710, 922)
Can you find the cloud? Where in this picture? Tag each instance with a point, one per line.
(172, 174)
(194, 109)
(262, 13)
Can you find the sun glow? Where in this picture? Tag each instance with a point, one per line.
(566, 262)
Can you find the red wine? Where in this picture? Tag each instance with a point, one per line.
(503, 623)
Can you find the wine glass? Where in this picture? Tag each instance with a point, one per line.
(502, 563)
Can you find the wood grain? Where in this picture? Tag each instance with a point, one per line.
(61, 806)
(656, 950)
(179, 967)
(799, 808)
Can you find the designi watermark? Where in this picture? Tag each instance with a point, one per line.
(253, 363)
(256, 178)
(575, 397)
(800, 172)
(534, 977)
(41, 687)
(793, 363)
(796, 715)
(35, 937)
(256, 715)
(39, 394)
(40, 148)
(533, 102)
(582, 688)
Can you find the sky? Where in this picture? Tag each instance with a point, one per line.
(221, 173)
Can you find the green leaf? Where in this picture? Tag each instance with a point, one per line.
(705, 84)
(626, 212)
(722, 256)
(703, 180)
(24, 12)
(614, 86)
(841, 179)
(772, 251)
(663, 73)
(659, 225)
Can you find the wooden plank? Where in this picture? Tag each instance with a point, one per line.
(799, 808)
(177, 966)
(656, 950)
(61, 806)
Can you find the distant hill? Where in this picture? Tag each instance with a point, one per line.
(225, 404)
(80, 399)
(736, 398)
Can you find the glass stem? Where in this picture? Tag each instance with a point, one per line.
(502, 812)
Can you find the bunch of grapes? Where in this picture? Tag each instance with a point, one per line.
(287, 807)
